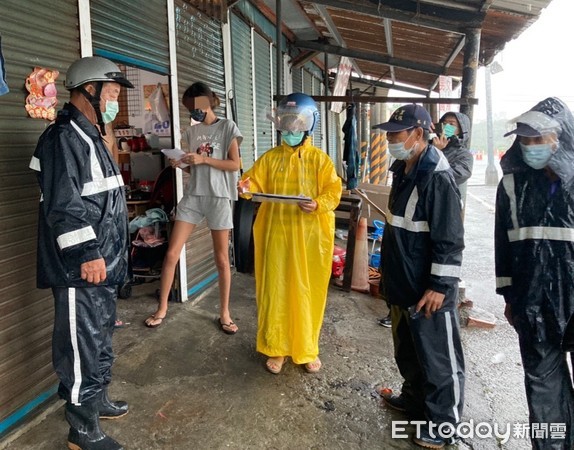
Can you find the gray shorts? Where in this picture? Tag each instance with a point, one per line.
(216, 210)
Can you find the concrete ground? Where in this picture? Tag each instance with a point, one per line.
(192, 387)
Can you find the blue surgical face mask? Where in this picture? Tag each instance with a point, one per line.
(399, 151)
(112, 109)
(198, 115)
(537, 155)
(293, 138)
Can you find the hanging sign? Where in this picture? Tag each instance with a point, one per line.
(341, 81)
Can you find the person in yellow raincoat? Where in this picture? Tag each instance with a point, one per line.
(293, 241)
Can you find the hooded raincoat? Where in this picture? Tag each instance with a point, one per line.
(534, 253)
(457, 152)
(293, 249)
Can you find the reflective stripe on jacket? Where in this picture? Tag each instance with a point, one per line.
(82, 211)
(534, 242)
(424, 235)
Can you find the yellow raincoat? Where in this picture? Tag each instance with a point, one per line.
(293, 249)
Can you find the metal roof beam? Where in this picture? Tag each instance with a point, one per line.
(486, 5)
(451, 58)
(303, 58)
(335, 32)
(389, 40)
(412, 12)
(368, 56)
(384, 99)
(431, 10)
(385, 85)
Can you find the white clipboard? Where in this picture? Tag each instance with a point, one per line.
(276, 198)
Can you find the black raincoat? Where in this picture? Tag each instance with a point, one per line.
(83, 213)
(422, 249)
(424, 233)
(534, 253)
(82, 217)
(351, 148)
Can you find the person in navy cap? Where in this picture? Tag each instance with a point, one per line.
(534, 254)
(420, 265)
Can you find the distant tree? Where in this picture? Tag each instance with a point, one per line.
(479, 142)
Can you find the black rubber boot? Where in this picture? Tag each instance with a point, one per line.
(109, 409)
(85, 432)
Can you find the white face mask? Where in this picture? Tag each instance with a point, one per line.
(399, 151)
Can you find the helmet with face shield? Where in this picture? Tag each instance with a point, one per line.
(296, 113)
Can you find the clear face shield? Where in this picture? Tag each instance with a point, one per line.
(537, 124)
(537, 137)
(292, 119)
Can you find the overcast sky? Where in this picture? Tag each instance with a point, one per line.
(539, 64)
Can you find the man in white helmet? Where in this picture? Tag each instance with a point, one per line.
(83, 245)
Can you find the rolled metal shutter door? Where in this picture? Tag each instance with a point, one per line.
(134, 32)
(297, 75)
(318, 133)
(27, 378)
(263, 100)
(243, 87)
(199, 43)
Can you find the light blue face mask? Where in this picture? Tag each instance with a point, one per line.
(399, 151)
(293, 138)
(448, 130)
(537, 155)
(112, 109)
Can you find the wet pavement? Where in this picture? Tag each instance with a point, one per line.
(190, 386)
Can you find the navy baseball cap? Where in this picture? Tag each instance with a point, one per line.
(523, 129)
(406, 117)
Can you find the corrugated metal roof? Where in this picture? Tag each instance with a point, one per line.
(405, 41)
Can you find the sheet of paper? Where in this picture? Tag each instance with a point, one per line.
(293, 199)
(174, 153)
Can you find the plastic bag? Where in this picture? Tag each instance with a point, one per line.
(158, 104)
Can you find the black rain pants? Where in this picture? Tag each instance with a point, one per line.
(549, 390)
(428, 353)
(82, 340)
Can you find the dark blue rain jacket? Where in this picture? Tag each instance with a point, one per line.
(82, 211)
(424, 235)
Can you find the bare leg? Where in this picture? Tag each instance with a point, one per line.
(221, 254)
(180, 234)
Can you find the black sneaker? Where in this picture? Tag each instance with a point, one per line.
(395, 401)
(424, 439)
(385, 322)
(399, 402)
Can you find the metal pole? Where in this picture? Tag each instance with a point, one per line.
(278, 57)
(327, 105)
(491, 176)
(469, 70)
(365, 138)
